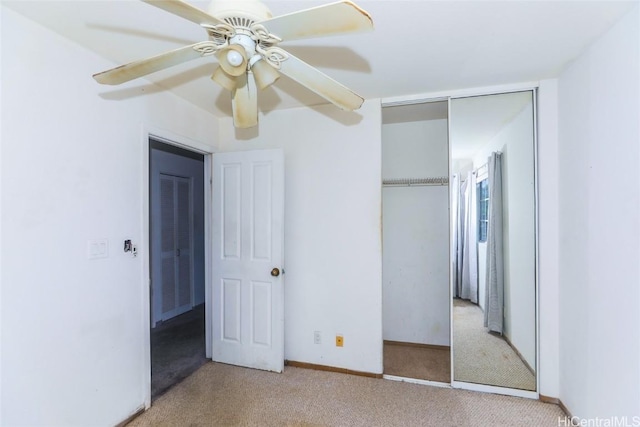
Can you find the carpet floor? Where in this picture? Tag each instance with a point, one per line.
(423, 363)
(224, 395)
(484, 358)
(177, 350)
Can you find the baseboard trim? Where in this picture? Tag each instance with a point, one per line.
(313, 366)
(131, 417)
(547, 399)
(564, 409)
(555, 401)
(519, 355)
(419, 345)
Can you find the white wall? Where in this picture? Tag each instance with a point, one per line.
(1, 223)
(73, 329)
(515, 141)
(415, 149)
(415, 269)
(599, 204)
(332, 229)
(548, 240)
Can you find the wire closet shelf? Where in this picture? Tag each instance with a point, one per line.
(415, 182)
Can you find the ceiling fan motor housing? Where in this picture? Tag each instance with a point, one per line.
(240, 13)
(246, 42)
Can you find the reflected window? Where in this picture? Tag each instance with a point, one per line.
(483, 209)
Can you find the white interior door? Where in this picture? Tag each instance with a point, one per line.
(176, 274)
(248, 293)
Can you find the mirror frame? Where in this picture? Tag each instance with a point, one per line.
(535, 394)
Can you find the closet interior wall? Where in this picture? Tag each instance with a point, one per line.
(415, 224)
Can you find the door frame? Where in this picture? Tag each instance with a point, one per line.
(170, 138)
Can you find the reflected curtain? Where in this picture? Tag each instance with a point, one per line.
(456, 253)
(466, 241)
(494, 296)
(469, 288)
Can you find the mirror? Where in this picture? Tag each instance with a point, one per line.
(493, 240)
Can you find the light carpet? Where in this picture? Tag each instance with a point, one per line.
(484, 358)
(424, 363)
(223, 395)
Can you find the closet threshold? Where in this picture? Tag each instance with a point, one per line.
(416, 381)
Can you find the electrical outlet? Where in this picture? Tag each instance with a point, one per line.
(317, 338)
(339, 341)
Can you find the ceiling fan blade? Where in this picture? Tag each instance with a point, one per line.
(334, 18)
(320, 83)
(136, 69)
(245, 102)
(186, 11)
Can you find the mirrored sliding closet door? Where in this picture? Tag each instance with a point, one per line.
(493, 240)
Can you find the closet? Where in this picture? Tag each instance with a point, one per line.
(459, 267)
(415, 198)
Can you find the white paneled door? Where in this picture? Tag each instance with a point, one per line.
(175, 293)
(248, 283)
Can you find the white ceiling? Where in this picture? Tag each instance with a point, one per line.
(417, 46)
(476, 120)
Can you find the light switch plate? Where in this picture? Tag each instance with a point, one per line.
(98, 248)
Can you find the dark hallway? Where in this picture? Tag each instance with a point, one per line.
(177, 349)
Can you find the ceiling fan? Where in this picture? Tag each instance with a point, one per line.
(243, 36)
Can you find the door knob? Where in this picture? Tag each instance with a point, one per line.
(275, 272)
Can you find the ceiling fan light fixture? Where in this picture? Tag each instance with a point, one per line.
(233, 68)
(243, 36)
(264, 74)
(234, 58)
(223, 79)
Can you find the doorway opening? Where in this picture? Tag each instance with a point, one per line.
(177, 264)
(415, 261)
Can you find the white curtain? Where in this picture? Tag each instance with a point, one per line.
(494, 296)
(470, 242)
(456, 242)
(466, 241)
